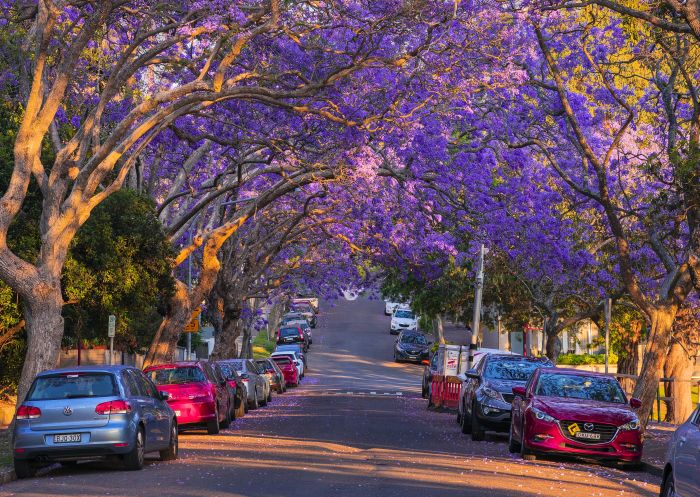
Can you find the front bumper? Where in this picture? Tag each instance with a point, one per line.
(548, 438)
(493, 413)
(115, 438)
(405, 356)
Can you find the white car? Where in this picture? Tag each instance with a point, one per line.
(297, 360)
(390, 307)
(403, 319)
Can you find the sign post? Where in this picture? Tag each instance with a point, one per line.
(192, 327)
(111, 330)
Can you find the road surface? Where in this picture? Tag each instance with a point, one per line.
(356, 427)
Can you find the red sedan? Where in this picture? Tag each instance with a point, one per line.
(290, 371)
(198, 396)
(574, 412)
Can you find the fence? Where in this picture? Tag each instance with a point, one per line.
(444, 391)
(662, 402)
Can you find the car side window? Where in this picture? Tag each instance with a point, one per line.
(149, 386)
(209, 373)
(138, 387)
(129, 384)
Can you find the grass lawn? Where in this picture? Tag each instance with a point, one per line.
(262, 347)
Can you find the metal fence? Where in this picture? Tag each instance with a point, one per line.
(663, 402)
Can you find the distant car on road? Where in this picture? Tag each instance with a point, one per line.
(288, 334)
(304, 325)
(89, 412)
(292, 316)
(289, 369)
(681, 476)
(411, 346)
(307, 311)
(487, 391)
(257, 388)
(403, 319)
(294, 357)
(390, 307)
(199, 396)
(273, 373)
(575, 412)
(296, 348)
(313, 301)
(235, 383)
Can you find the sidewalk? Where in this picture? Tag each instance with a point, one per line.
(656, 442)
(7, 472)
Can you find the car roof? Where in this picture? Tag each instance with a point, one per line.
(580, 372)
(87, 369)
(518, 356)
(171, 365)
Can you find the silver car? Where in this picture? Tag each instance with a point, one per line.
(91, 412)
(682, 469)
(257, 387)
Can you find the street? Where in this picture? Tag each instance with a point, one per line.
(357, 426)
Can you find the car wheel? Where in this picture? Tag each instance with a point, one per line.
(133, 461)
(227, 419)
(255, 404)
(513, 446)
(459, 417)
(213, 426)
(24, 468)
(466, 422)
(269, 395)
(263, 402)
(525, 452)
(170, 454)
(668, 487)
(478, 434)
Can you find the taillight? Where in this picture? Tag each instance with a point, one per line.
(113, 407)
(28, 412)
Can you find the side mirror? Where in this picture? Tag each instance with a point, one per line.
(635, 403)
(519, 391)
(165, 396)
(472, 374)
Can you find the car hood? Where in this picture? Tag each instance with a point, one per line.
(585, 410)
(504, 386)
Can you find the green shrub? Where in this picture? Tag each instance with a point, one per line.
(583, 359)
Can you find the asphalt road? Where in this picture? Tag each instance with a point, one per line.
(356, 427)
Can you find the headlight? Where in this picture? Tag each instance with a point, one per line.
(491, 393)
(542, 416)
(630, 426)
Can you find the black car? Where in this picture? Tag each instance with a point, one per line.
(293, 334)
(428, 371)
(411, 346)
(487, 391)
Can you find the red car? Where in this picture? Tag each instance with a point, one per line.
(197, 393)
(289, 369)
(574, 412)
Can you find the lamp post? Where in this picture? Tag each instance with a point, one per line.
(476, 319)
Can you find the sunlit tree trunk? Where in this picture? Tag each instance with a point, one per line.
(679, 366)
(225, 345)
(164, 344)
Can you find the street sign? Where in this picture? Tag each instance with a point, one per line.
(112, 326)
(193, 325)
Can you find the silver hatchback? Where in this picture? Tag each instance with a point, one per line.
(91, 412)
(682, 469)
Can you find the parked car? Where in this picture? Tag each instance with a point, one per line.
(304, 325)
(198, 395)
(238, 389)
(305, 309)
(89, 412)
(487, 391)
(681, 477)
(289, 369)
(313, 301)
(296, 348)
(390, 307)
(292, 334)
(403, 319)
(273, 374)
(292, 316)
(428, 371)
(257, 388)
(411, 346)
(294, 357)
(575, 412)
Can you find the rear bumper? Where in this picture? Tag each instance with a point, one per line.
(115, 438)
(193, 413)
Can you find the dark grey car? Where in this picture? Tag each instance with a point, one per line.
(257, 387)
(682, 468)
(90, 412)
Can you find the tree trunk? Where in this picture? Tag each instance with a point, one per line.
(654, 358)
(44, 323)
(679, 366)
(553, 345)
(628, 362)
(225, 345)
(439, 329)
(246, 347)
(164, 344)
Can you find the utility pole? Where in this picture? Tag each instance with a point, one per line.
(478, 288)
(608, 312)
(188, 354)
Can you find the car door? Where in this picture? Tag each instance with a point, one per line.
(519, 405)
(256, 378)
(147, 408)
(220, 392)
(687, 457)
(161, 411)
(226, 396)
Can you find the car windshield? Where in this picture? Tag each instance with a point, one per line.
(176, 376)
(404, 314)
(416, 339)
(289, 332)
(584, 387)
(518, 369)
(73, 386)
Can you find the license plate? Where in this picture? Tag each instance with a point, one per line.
(588, 436)
(67, 438)
(177, 413)
(288, 339)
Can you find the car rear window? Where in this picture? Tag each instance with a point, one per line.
(282, 360)
(289, 332)
(73, 386)
(175, 376)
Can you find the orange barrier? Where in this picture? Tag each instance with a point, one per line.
(444, 391)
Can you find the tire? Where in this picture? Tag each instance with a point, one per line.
(459, 417)
(466, 422)
(170, 454)
(269, 396)
(668, 487)
(424, 390)
(255, 404)
(133, 461)
(24, 468)
(227, 419)
(525, 452)
(263, 402)
(513, 446)
(213, 426)
(477, 430)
